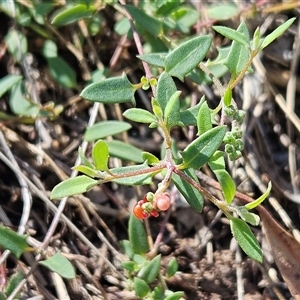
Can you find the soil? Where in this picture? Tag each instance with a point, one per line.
(211, 265)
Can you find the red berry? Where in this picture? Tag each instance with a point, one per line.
(162, 201)
(154, 213)
(139, 212)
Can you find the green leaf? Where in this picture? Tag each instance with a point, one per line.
(129, 265)
(217, 165)
(184, 17)
(191, 195)
(165, 89)
(204, 119)
(150, 158)
(110, 91)
(172, 267)
(72, 186)
(238, 55)
(8, 82)
(73, 14)
(259, 200)
(246, 239)
(49, 49)
(248, 217)
(196, 154)
(16, 44)
(100, 155)
(133, 180)
(124, 151)
(139, 115)
(20, 105)
(40, 10)
(13, 241)
(276, 33)
(175, 296)
(104, 129)
(137, 236)
(141, 288)
(187, 56)
(227, 184)
(154, 59)
(84, 160)
(234, 35)
(150, 270)
(122, 26)
(166, 8)
(220, 11)
(126, 247)
(148, 23)
(61, 71)
(13, 282)
(91, 172)
(189, 116)
(59, 264)
(172, 110)
(227, 97)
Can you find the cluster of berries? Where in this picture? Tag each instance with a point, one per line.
(151, 205)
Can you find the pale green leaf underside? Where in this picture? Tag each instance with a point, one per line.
(72, 186)
(124, 151)
(59, 264)
(104, 129)
(133, 180)
(139, 115)
(7, 82)
(276, 33)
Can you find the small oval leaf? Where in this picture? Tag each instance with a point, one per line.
(7, 82)
(100, 155)
(139, 115)
(13, 241)
(59, 264)
(150, 270)
(246, 239)
(137, 236)
(204, 119)
(104, 129)
(154, 59)
(196, 154)
(124, 151)
(172, 267)
(73, 14)
(91, 172)
(110, 91)
(133, 180)
(62, 72)
(141, 288)
(72, 186)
